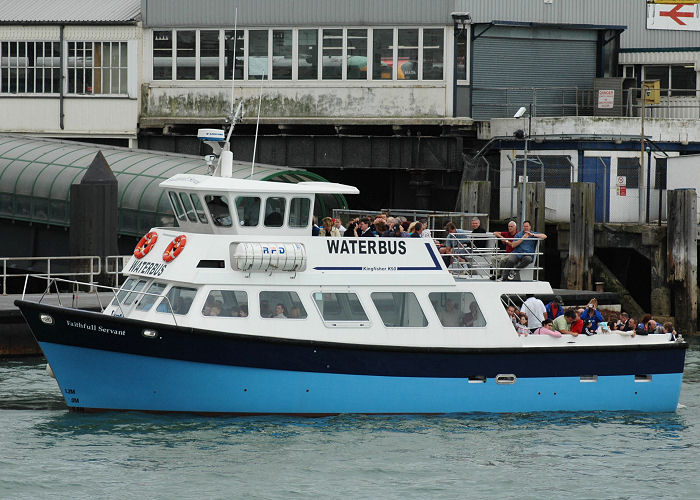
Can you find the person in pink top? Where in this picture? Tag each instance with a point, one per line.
(546, 329)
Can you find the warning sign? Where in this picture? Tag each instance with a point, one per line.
(621, 180)
(621, 190)
(606, 98)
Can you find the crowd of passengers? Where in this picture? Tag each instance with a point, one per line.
(536, 318)
(519, 246)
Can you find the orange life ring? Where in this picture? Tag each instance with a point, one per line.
(175, 248)
(145, 244)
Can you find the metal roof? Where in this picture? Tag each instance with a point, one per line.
(70, 11)
(36, 176)
(209, 183)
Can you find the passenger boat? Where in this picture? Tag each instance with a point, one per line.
(239, 310)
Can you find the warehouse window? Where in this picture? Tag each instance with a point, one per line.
(228, 53)
(308, 55)
(332, 68)
(162, 55)
(97, 68)
(257, 55)
(676, 80)
(432, 54)
(356, 62)
(185, 61)
(209, 55)
(30, 67)
(282, 54)
(629, 167)
(383, 54)
(407, 68)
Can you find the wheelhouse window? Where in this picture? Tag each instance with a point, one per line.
(332, 54)
(248, 210)
(189, 208)
(629, 167)
(149, 298)
(179, 298)
(226, 303)
(162, 55)
(209, 55)
(299, 210)
(128, 285)
(177, 205)
(257, 55)
(218, 210)
(339, 306)
(135, 292)
(281, 305)
(30, 67)
(399, 309)
(457, 309)
(199, 208)
(274, 211)
(282, 54)
(308, 55)
(356, 62)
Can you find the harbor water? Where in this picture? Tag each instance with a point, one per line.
(50, 452)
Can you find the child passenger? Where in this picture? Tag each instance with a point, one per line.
(521, 327)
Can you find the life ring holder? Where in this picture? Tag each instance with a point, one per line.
(145, 244)
(175, 248)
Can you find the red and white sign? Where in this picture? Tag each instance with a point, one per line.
(670, 16)
(606, 99)
(621, 180)
(622, 190)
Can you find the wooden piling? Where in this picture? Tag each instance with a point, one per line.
(534, 211)
(582, 215)
(682, 257)
(475, 197)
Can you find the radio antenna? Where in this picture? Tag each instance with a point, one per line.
(231, 115)
(257, 126)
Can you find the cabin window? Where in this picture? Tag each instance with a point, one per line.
(218, 209)
(248, 209)
(179, 298)
(226, 303)
(128, 285)
(232, 37)
(399, 309)
(209, 55)
(257, 55)
(332, 68)
(432, 54)
(135, 292)
(162, 55)
(274, 211)
(299, 210)
(281, 305)
(356, 62)
(282, 54)
(339, 306)
(177, 206)
(457, 309)
(308, 55)
(199, 208)
(189, 208)
(150, 297)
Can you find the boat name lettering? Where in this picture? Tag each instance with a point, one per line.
(366, 246)
(150, 268)
(272, 250)
(94, 328)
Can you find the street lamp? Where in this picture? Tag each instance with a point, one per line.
(520, 134)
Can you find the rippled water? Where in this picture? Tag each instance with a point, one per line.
(45, 451)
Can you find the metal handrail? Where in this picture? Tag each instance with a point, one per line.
(92, 262)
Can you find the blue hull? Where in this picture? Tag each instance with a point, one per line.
(106, 380)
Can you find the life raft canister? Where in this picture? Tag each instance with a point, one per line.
(174, 248)
(145, 244)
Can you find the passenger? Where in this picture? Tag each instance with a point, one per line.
(328, 228)
(623, 322)
(450, 315)
(561, 323)
(521, 327)
(243, 311)
(339, 226)
(206, 310)
(631, 326)
(380, 227)
(352, 224)
(669, 331)
(265, 309)
(417, 230)
(411, 228)
(216, 310)
(546, 329)
(426, 232)
(405, 225)
(363, 229)
(280, 311)
(472, 317)
(534, 308)
(295, 313)
(315, 230)
(512, 315)
(591, 312)
(506, 237)
(654, 328)
(554, 309)
(523, 254)
(478, 234)
(577, 324)
(588, 328)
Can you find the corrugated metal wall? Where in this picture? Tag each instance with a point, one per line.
(173, 13)
(528, 57)
(630, 13)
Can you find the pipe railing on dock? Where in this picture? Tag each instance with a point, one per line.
(89, 266)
